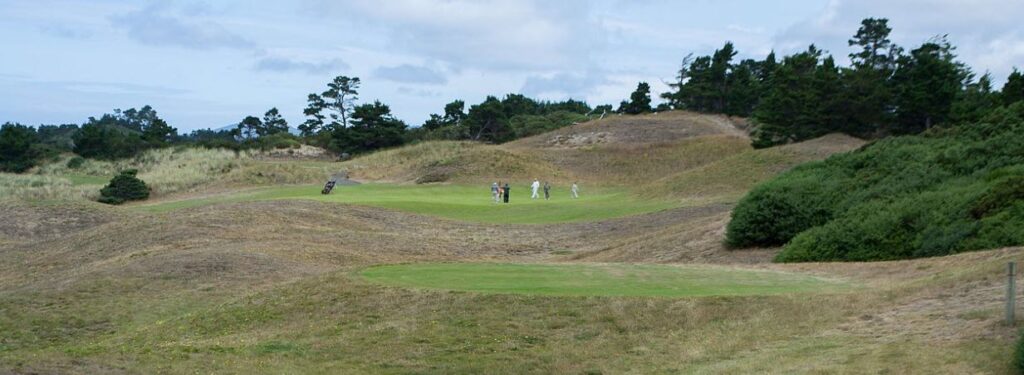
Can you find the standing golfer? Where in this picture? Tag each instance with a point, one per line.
(575, 190)
(494, 192)
(506, 190)
(547, 190)
(535, 186)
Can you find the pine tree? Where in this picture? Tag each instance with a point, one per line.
(927, 82)
(791, 109)
(273, 123)
(314, 113)
(867, 90)
(1013, 90)
(342, 92)
(639, 101)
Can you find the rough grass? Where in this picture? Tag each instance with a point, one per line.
(458, 161)
(594, 280)
(459, 202)
(275, 287)
(166, 171)
(729, 178)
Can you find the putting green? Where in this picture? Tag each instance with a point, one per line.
(596, 279)
(459, 202)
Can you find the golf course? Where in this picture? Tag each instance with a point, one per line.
(238, 263)
(458, 202)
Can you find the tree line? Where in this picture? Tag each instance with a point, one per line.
(885, 91)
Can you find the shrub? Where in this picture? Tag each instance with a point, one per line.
(1018, 356)
(124, 187)
(18, 148)
(942, 192)
(75, 162)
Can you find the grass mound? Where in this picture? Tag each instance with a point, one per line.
(940, 193)
(594, 280)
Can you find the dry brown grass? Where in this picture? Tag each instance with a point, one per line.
(272, 285)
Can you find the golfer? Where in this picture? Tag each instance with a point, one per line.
(506, 190)
(534, 186)
(575, 190)
(494, 192)
(547, 190)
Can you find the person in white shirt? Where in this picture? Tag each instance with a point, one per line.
(535, 186)
(494, 192)
(575, 190)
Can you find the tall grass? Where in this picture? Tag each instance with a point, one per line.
(36, 187)
(166, 170)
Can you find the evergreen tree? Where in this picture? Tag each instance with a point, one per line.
(250, 127)
(372, 127)
(487, 121)
(675, 97)
(639, 101)
(314, 113)
(744, 89)
(927, 82)
(273, 123)
(158, 133)
(792, 107)
(718, 77)
(1013, 90)
(975, 101)
(867, 91)
(342, 92)
(17, 148)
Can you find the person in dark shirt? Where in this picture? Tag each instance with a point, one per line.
(547, 190)
(507, 189)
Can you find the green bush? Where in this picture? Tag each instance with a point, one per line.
(124, 187)
(1018, 356)
(943, 192)
(76, 162)
(19, 149)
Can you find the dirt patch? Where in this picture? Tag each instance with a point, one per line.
(580, 140)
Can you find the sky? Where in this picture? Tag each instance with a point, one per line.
(208, 64)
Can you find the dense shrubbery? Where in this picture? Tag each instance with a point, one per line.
(1018, 356)
(18, 150)
(124, 187)
(943, 192)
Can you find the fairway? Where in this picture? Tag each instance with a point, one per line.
(595, 280)
(459, 202)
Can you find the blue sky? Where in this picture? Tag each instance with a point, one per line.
(210, 63)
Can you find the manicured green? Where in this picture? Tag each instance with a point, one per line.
(943, 192)
(595, 280)
(459, 202)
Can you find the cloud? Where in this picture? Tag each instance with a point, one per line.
(564, 85)
(67, 32)
(418, 92)
(282, 64)
(485, 34)
(406, 73)
(159, 25)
